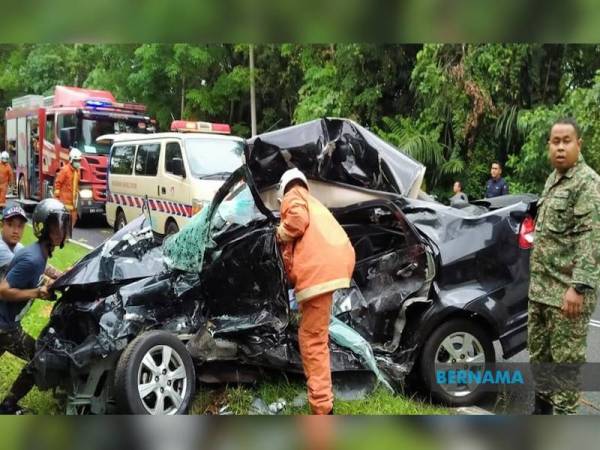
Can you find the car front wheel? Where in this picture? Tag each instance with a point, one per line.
(155, 375)
(458, 342)
(120, 221)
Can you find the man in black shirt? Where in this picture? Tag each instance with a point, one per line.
(496, 186)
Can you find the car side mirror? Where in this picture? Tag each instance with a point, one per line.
(67, 137)
(177, 167)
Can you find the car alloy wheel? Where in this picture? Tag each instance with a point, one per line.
(457, 349)
(155, 375)
(162, 381)
(456, 344)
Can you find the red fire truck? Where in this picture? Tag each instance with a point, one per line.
(40, 131)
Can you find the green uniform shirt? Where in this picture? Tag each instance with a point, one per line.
(567, 235)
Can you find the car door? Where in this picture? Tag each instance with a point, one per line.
(121, 184)
(174, 189)
(145, 170)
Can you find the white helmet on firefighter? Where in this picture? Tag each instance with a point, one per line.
(4, 156)
(74, 155)
(287, 177)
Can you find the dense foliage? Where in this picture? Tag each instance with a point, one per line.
(454, 107)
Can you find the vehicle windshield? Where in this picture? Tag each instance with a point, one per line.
(213, 158)
(93, 128)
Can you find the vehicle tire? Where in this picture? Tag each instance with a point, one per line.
(171, 227)
(21, 188)
(120, 220)
(465, 339)
(155, 375)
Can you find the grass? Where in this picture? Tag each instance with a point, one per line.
(238, 400)
(209, 399)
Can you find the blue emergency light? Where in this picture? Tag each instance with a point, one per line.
(97, 103)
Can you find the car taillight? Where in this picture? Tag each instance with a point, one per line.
(526, 233)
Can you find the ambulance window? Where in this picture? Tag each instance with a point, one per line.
(146, 160)
(121, 160)
(172, 152)
(50, 128)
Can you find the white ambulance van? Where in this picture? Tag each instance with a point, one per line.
(174, 173)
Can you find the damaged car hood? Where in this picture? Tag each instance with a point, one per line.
(332, 149)
(131, 254)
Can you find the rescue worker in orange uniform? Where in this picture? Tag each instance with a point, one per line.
(6, 176)
(66, 185)
(319, 259)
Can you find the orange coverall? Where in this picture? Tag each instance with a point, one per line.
(66, 189)
(6, 175)
(319, 259)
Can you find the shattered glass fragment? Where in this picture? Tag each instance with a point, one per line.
(185, 250)
(259, 407)
(347, 337)
(240, 210)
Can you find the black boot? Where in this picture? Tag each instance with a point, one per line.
(542, 406)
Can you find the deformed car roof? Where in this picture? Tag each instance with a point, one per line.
(332, 149)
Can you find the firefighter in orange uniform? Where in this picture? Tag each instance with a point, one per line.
(6, 176)
(66, 185)
(319, 259)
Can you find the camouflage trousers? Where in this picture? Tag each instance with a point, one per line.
(17, 342)
(553, 338)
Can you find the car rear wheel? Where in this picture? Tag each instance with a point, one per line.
(155, 375)
(171, 228)
(120, 221)
(458, 341)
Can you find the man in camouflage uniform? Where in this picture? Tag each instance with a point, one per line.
(565, 263)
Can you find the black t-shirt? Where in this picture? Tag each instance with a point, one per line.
(496, 188)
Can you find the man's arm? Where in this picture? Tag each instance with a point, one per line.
(586, 257)
(59, 182)
(294, 217)
(505, 188)
(13, 295)
(21, 270)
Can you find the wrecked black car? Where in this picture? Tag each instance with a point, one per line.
(139, 322)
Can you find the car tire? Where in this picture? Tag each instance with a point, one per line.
(120, 221)
(144, 384)
(454, 334)
(171, 228)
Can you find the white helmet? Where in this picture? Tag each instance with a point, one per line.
(4, 156)
(287, 177)
(74, 155)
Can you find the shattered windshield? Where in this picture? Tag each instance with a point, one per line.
(233, 204)
(213, 158)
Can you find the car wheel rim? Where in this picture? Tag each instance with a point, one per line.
(460, 350)
(162, 382)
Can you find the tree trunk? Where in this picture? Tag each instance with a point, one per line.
(252, 92)
(182, 96)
